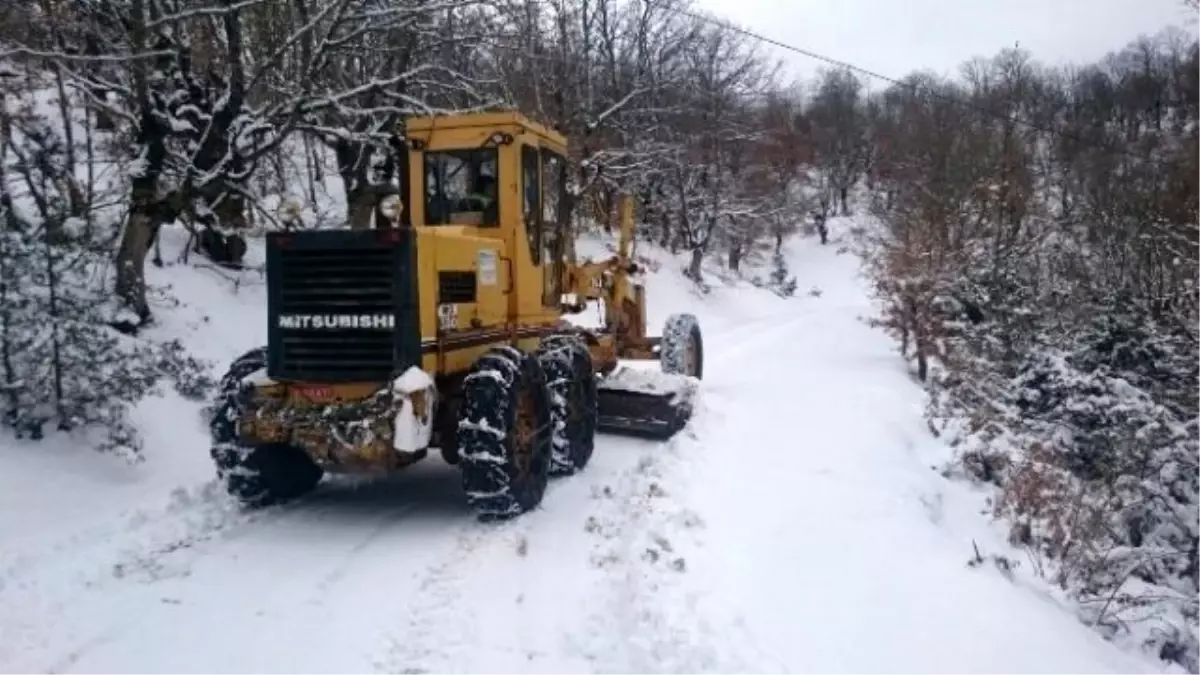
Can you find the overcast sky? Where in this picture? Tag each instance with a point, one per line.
(895, 37)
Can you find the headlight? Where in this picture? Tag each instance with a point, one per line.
(391, 207)
(290, 209)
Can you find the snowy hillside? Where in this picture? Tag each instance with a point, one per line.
(796, 525)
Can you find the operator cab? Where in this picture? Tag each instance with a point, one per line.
(482, 169)
(500, 175)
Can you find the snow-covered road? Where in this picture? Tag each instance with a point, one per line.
(796, 525)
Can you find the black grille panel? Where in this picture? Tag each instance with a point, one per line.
(322, 282)
(456, 287)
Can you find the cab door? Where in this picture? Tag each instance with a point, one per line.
(553, 212)
(543, 198)
(531, 213)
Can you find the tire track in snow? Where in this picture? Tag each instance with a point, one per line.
(649, 638)
(160, 525)
(443, 626)
(101, 556)
(386, 522)
(166, 555)
(647, 567)
(46, 584)
(433, 622)
(469, 612)
(653, 604)
(733, 350)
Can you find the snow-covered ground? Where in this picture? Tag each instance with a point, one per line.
(796, 525)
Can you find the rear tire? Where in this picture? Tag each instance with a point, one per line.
(254, 475)
(681, 350)
(573, 401)
(505, 434)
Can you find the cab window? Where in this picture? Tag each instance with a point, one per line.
(531, 201)
(554, 174)
(461, 187)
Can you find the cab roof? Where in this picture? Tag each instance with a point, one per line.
(510, 120)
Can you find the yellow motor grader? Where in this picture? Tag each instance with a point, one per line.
(442, 327)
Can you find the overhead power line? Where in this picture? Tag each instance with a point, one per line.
(783, 45)
(914, 87)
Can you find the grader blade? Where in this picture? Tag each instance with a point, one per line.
(645, 403)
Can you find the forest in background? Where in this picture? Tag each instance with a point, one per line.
(1030, 231)
(1039, 267)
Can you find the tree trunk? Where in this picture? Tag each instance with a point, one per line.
(353, 161)
(146, 215)
(919, 339)
(693, 270)
(360, 209)
(144, 208)
(313, 164)
(231, 212)
(131, 262)
(9, 372)
(922, 360)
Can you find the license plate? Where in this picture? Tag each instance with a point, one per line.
(316, 392)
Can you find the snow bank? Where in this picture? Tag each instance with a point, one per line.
(53, 488)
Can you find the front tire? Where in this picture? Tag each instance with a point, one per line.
(505, 435)
(573, 401)
(681, 350)
(254, 475)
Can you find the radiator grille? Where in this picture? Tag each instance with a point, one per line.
(336, 282)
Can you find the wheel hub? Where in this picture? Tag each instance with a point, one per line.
(523, 433)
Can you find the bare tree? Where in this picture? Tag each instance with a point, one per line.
(205, 105)
(838, 134)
